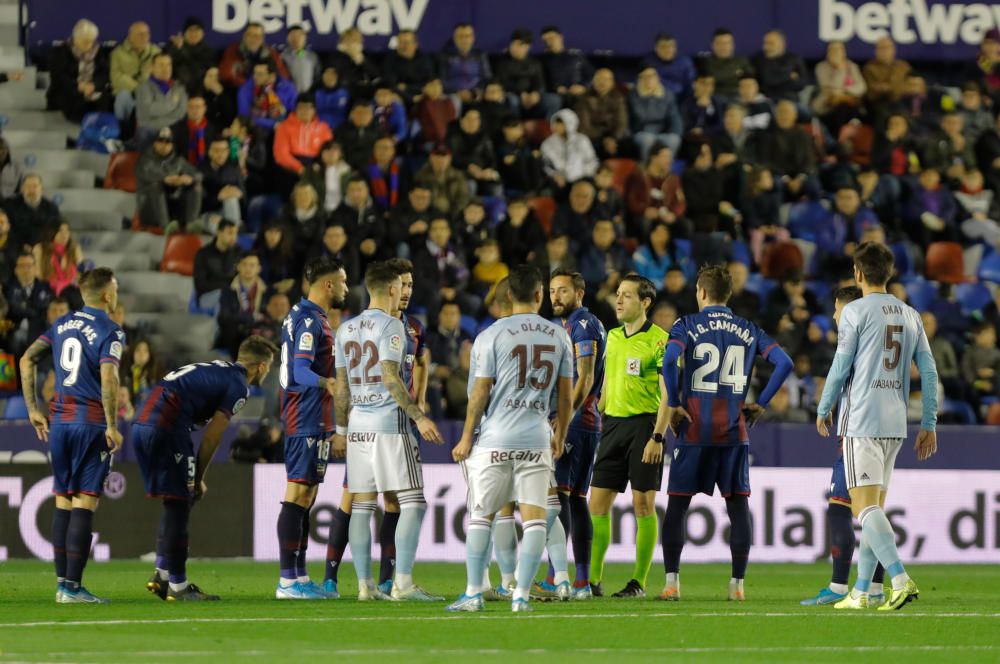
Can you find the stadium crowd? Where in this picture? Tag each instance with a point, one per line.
(467, 162)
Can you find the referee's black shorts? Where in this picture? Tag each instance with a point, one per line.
(619, 456)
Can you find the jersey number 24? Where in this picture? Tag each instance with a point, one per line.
(733, 364)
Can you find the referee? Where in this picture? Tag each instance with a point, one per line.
(631, 448)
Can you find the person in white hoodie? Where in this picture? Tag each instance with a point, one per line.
(568, 155)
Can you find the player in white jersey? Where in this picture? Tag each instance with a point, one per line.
(520, 361)
(372, 409)
(879, 335)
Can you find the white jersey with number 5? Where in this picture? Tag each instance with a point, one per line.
(882, 334)
(362, 343)
(525, 355)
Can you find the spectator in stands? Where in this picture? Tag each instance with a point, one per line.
(567, 73)
(386, 178)
(789, 152)
(762, 212)
(332, 99)
(445, 341)
(520, 166)
(46, 383)
(845, 227)
(759, 109)
(409, 221)
(701, 113)
(603, 262)
(949, 150)
(215, 265)
(269, 325)
(357, 72)
(57, 257)
(676, 72)
(653, 114)
(191, 55)
(981, 363)
(732, 146)
(31, 213)
(702, 186)
(791, 298)
(407, 69)
(440, 272)
(923, 110)
(841, 87)
(160, 100)
(490, 267)
(781, 409)
(520, 234)
(389, 115)
(608, 203)
(472, 152)
(168, 188)
(240, 60)
(567, 155)
(80, 74)
(329, 176)
(27, 303)
(280, 267)
(576, 217)
(220, 104)
(473, 229)
(305, 217)
(885, 77)
(300, 137)
(141, 370)
(782, 75)
(726, 68)
(979, 210)
(464, 69)
(494, 109)
(434, 112)
(131, 63)
(300, 60)
(449, 191)
(988, 61)
(978, 120)
(10, 171)
(358, 135)
(556, 255)
(240, 306)
(949, 371)
(9, 249)
(988, 155)
(895, 151)
(223, 187)
(250, 148)
(930, 212)
(524, 80)
(456, 393)
(744, 303)
(664, 315)
(603, 113)
(266, 97)
(801, 384)
(339, 245)
(678, 291)
(658, 254)
(194, 133)
(653, 193)
(364, 222)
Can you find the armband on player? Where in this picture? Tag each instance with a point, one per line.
(341, 431)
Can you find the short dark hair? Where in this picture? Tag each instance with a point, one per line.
(320, 267)
(256, 348)
(59, 299)
(401, 265)
(354, 179)
(271, 69)
(379, 275)
(224, 224)
(501, 290)
(875, 262)
(93, 282)
(716, 281)
(847, 294)
(572, 275)
(645, 288)
(162, 54)
(722, 32)
(522, 35)
(525, 280)
(550, 28)
(664, 36)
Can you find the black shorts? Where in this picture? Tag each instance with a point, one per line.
(619, 456)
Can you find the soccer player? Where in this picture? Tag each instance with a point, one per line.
(86, 347)
(202, 394)
(414, 370)
(631, 447)
(382, 453)
(576, 466)
(520, 361)
(879, 335)
(307, 388)
(710, 418)
(839, 520)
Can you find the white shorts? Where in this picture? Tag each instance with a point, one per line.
(380, 462)
(497, 476)
(869, 461)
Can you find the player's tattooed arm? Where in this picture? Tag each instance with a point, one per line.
(342, 398)
(29, 361)
(585, 382)
(394, 383)
(109, 393)
(478, 401)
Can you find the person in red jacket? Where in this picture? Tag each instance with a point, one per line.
(239, 59)
(299, 139)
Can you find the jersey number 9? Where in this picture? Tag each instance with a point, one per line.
(69, 360)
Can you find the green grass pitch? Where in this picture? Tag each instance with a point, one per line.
(957, 619)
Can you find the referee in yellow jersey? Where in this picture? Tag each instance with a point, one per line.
(634, 404)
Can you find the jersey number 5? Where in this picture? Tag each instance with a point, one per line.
(538, 363)
(890, 362)
(732, 368)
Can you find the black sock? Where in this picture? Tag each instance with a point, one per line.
(739, 534)
(78, 537)
(176, 516)
(337, 543)
(60, 525)
(840, 521)
(673, 533)
(582, 534)
(387, 542)
(300, 557)
(879, 575)
(565, 515)
(289, 538)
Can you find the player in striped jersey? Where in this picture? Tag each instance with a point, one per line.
(196, 395)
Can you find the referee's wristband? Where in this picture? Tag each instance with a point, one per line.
(341, 431)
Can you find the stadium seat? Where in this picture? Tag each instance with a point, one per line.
(245, 241)
(921, 293)
(15, 408)
(989, 268)
(945, 262)
(805, 219)
(973, 297)
(740, 252)
(496, 209)
(469, 325)
(858, 138)
(993, 414)
(781, 259)
(961, 410)
(178, 255)
(904, 260)
(121, 171)
(545, 209)
(756, 283)
(819, 289)
(536, 131)
(620, 170)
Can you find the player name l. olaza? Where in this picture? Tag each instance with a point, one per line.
(84, 328)
(531, 456)
(887, 384)
(723, 322)
(361, 437)
(528, 326)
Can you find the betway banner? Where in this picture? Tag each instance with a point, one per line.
(924, 29)
(940, 516)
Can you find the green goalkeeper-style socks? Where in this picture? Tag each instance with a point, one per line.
(645, 544)
(599, 548)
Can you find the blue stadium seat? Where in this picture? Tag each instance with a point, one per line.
(496, 209)
(989, 268)
(820, 289)
(245, 241)
(195, 308)
(960, 409)
(921, 293)
(904, 261)
(15, 408)
(973, 297)
(804, 219)
(469, 325)
(756, 283)
(740, 252)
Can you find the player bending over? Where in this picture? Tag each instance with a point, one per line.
(710, 418)
(520, 360)
(878, 337)
(195, 395)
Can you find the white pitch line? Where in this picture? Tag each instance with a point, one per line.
(488, 616)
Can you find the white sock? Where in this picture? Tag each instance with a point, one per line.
(875, 589)
(60, 579)
(403, 581)
(287, 583)
(840, 588)
(736, 582)
(304, 579)
(162, 574)
(177, 587)
(470, 591)
(560, 577)
(855, 593)
(507, 580)
(521, 593)
(673, 579)
(899, 581)
(487, 582)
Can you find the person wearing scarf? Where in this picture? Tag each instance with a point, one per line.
(383, 175)
(79, 74)
(266, 98)
(160, 100)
